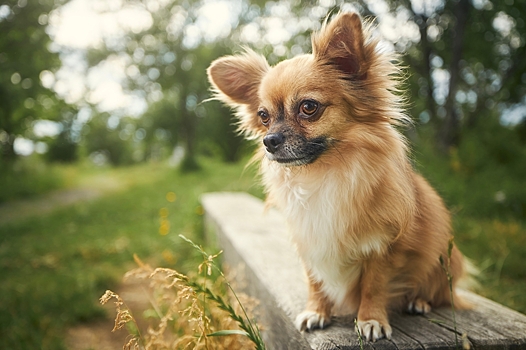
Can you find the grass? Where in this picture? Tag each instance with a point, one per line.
(497, 247)
(27, 177)
(54, 268)
(203, 310)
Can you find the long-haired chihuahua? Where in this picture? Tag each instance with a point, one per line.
(369, 230)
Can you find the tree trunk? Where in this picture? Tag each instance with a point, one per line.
(7, 150)
(426, 69)
(449, 134)
(189, 162)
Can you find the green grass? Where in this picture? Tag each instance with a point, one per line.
(497, 247)
(54, 268)
(491, 232)
(27, 177)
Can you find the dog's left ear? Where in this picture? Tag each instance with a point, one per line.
(341, 43)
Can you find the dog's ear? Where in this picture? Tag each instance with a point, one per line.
(341, 42)
(236, 79)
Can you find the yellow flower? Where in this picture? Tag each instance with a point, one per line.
(164, 228)
(171, 197)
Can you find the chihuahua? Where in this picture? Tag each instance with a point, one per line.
(372, 234)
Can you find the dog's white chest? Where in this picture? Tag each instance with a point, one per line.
(318, 224)
(320, 215)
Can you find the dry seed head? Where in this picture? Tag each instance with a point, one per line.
(106, 297)
(132, 344)
(209, 261)
(181, 307)
(123, 317)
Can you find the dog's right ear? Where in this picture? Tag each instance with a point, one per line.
(236, 78)
(341, 43)
(235, 81)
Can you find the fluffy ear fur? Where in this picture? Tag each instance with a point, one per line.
(341, 43)
(235, 81)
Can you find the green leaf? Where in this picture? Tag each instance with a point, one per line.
(227, 332)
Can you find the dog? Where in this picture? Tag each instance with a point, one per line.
(372, 234)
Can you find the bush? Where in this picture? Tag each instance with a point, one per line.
(62, 149)
(101, 139)
(484, 176)
(27, 176)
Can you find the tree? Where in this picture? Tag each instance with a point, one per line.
(478, 49)
(25, 59)
(167, 65)
(109, 139)
(453, 80)
(64, 147)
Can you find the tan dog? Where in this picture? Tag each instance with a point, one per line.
(369, 230)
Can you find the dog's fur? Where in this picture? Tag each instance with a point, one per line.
(369, 230)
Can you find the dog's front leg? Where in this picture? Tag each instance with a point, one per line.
(317, 313)
(373, 322)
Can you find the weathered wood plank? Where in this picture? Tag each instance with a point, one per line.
(489, 324)
(272, 273)
(428, 334)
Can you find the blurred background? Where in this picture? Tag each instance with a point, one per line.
(107, 138)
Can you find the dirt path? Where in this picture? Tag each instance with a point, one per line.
(45, 204)
(22, 209)
(98, 335)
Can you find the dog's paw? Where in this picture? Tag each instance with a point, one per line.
(373, 330)
(309, 320)
(418, 307)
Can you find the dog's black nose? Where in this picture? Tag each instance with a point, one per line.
(273, 141)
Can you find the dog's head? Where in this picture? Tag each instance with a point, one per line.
(301, 107)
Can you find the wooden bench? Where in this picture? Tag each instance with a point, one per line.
(272, 273)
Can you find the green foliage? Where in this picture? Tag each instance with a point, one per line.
(62, 149)
(113, 143)
(27, 177)
(169, 70)
(497, 246)
(478, 48)
(222, 138)
(481, 178)
(482, 182)
(24, 55)
(161, 124)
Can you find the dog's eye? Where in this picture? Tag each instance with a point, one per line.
(308, 108)
(264, 117)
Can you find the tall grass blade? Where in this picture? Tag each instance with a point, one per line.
(245, 323)
(227, 332)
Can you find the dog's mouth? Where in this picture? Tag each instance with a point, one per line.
(298, 153)
(290, 161)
